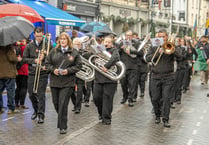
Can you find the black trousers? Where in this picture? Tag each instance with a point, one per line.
(78, 96)
(187, 78)
(161, 93)
(60, 98)
(141, 82)
(38, 100)
(129, 84)
(179, 76)
(21, 89)
(87, 91)
(103, 99)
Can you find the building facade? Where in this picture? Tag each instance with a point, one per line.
(122, 15)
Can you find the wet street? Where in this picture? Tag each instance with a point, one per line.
(130, 125)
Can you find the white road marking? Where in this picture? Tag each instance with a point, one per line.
(201, 117)
(198, 123)
(190, 142)
(26, 112)
(194, 132)
(205, 111)
(7, 118)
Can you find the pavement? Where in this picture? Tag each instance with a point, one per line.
(130, 125)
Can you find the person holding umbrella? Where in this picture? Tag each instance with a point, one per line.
(10, 33)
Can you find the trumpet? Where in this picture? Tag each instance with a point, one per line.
(100, 58)
(168, 47)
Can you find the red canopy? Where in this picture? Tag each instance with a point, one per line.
(20, 10)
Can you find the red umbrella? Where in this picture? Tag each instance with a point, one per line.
(20, 10)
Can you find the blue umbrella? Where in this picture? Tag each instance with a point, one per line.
(94, 26)
(80, 34)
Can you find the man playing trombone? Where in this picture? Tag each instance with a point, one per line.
(162, 78)
(34, 56)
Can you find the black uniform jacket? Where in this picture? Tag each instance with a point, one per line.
(30, 54)
(69, 60)
(165, 67)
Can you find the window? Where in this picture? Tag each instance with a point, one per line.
(167, 3)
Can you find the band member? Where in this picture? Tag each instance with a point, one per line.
(63, 62)
(162, 79)
(180, 72)
(188, 71)
(78, 95)
(129, 83)
(30, 56)
(142, 73)
(104, 88)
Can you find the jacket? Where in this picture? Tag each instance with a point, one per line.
(69, 60)
(8, 60)
(165, 67)
(30, 54)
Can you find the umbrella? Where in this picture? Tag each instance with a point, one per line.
(107, 32)
(80, 34)
(20, 10)
(14, 28)
(94, 26)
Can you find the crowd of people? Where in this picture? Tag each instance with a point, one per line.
(30, 64)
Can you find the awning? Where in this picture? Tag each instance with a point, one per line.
(51, 14)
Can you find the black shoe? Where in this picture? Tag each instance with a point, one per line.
(40, 121)
(123, 101)
(157, 120)
(106, 122)
(184, 91)
(34, 116)
(142, 95)
(166, 124)
(130, 104)
(173, 106)
(100, 117)
(134, 99)
(208, 95)
(77, 111)
(187, 88)
(86, 104)
(178, 102)
(73, 110)
(63, 131)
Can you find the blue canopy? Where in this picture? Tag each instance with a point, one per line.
(52, 15)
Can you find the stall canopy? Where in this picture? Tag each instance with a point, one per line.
(51, 14)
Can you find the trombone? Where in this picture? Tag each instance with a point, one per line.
(38, 68)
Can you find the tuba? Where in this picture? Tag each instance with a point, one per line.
(87, 72)
(168, 47)
(100, 58)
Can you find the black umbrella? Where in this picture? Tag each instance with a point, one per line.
(107, 32)
(13, 29)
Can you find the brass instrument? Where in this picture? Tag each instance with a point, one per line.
(128, 47)
(168, 47)
(38, 68)
(87, 72)
(100, 58)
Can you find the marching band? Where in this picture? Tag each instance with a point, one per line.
(80, 66)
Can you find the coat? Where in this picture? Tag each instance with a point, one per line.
(8, 60)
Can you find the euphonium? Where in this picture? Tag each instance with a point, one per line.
(100, 58)
(87, 72)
